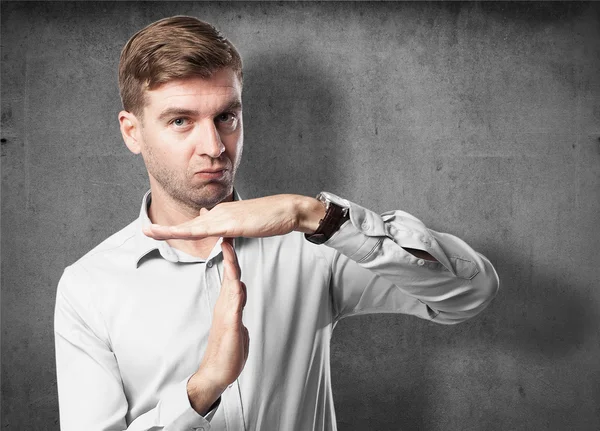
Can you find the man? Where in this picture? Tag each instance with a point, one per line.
(154, 327)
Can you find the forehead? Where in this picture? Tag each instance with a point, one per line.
(204, 94)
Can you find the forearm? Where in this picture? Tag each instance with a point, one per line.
(456, 286)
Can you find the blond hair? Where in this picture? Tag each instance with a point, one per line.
(173, 48)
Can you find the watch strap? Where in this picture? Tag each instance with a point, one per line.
(335, 217)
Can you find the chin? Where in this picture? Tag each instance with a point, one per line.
(211, 195)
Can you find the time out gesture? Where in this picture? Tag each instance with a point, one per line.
(228, 341)
(261, 217)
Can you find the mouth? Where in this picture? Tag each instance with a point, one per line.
(211, 174)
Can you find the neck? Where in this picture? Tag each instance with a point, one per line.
(166, 211)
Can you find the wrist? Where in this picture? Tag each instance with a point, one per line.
(336, 214)
(310, 212)
(203, 393)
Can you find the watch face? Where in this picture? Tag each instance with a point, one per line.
(333, 199)
(323, 198)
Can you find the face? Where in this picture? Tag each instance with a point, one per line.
(191, 139)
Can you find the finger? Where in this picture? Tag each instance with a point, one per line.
(234, 298)
(189, 230)
(232, 268)
(155, 231)
(159, 232)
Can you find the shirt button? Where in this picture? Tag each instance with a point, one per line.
(209, 264)
(420, 262)
(366, 226)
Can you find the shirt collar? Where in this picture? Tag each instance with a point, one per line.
(146, 245)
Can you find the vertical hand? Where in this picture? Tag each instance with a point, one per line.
(228, 340)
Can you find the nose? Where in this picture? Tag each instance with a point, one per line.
(208, 141)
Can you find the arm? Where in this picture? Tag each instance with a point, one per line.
(91, 394)
(383, 265)
(438, 273)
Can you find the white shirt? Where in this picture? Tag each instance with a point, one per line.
(133, 315)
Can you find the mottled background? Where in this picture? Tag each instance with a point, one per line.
(483, 119)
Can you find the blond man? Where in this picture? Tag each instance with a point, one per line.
(155, 329)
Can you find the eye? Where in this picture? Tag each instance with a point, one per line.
(226, 117)
(227, 121)
(179, 122)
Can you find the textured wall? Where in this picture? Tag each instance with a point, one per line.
(481, 119)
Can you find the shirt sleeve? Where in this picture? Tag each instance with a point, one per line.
(373, 272)
(90, 391)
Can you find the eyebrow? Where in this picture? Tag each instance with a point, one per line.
(182, 112)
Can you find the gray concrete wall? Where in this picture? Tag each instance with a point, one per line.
(481, 119)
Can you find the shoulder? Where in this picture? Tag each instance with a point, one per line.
(120, 244)
(116, 251)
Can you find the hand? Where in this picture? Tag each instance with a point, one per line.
(228, 340)
(268, 216)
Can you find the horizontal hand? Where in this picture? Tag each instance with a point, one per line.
(268, 216)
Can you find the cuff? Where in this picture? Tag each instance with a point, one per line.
(359, 236)
(177, 411)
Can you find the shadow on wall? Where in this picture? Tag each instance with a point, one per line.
(539, 12)
(491, 372)
(547, 313)
(294, 125)
(512, 367)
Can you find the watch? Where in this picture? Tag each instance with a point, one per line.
(336, 214)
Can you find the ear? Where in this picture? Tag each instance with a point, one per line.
(130, 130)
